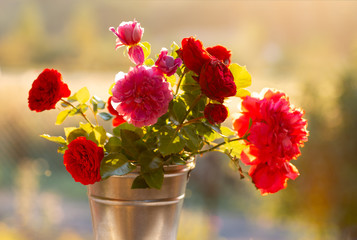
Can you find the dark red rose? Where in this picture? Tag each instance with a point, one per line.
(217, 81)
(82, 160)
(215, 113)
(221, 53)
(118, 119)
(47, 90)
(193, 54)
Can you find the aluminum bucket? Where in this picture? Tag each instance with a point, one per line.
(121, 213)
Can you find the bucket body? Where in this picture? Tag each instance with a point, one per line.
(121, 213)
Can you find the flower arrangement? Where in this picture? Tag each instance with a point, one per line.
(167, 111)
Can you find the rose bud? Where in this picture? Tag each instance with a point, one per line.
(215, 113)
(167, 64)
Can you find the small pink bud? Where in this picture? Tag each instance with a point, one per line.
(128, 33)
(166, 63)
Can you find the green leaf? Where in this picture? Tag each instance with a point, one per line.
(234, 148)
(177, 110)
(227, 131)
(193, 140)
(149, 161)
(171, 79)
(68, 130)
(113, 145)
(149, 62)
(81, 108)
(98, 135)
(83, 95)
(105, 116)
(212, 135)
(59, 139)
(177, 160)
(132, 143)
(86, 127)
(174, 47)
(170, 141)
(62, 116)
(139, 183)
(127, 126)
(242, 78)
(146, 48)
(100, 102)
(62, 149)
(115, 164)
(189, 84)
(77, 132)
(242, 92)
(110, 89)
(155, 178)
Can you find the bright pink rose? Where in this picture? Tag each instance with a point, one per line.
(128, 33)
(217, 81)
(141, 96)
(221, 53)
(276, 133)
(136, 54)
(167, 64)
(215, 113)
(270, 179)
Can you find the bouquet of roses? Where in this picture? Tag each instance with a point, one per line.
(167, 111)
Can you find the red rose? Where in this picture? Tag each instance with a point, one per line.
(217, 81)
(82, 160)
(221, 53)
(118, 119)
(215, 113)
(47, 90)
(193, 54)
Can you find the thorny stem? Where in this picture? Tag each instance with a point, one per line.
(95, 115)
(82, 113)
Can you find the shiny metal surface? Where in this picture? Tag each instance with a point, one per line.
(122, 213)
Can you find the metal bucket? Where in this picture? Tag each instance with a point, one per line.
(121, 213)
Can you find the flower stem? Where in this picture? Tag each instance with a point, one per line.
(180, 80)
(217, 146)
(80, 110)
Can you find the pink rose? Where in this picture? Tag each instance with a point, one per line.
(128, 33)
(141, 96)
(167, 64)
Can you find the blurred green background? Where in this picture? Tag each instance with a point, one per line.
(306, 48)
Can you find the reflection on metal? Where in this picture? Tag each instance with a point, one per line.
(122, 213)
